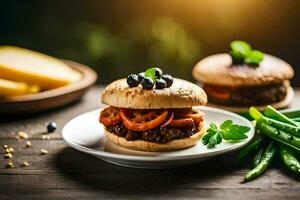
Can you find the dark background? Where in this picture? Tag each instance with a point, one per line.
(119, 37)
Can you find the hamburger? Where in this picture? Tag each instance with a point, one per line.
(141, 117)
(234, 84)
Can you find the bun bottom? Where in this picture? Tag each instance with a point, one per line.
(142, 145)
(278, 105)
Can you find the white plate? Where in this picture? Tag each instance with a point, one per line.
(86, 134)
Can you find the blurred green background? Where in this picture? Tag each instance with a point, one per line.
(119, 37)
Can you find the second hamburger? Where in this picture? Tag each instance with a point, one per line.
(236, 85)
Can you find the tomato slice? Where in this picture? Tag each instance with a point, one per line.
(197, 117)
(182, 122)
(110, 116)
(135, 125)
(141, 117)
(220, 93)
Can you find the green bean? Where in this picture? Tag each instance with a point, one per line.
(282, 126)
(294, 113)
(266, 159)
(254, 144)
(275, 114)
(296, 119)
(288, 157)
(279, 135)
(294, 130)
(258, 156)
(255, 114)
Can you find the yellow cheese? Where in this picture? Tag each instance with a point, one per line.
(10, 88)
(23, 65)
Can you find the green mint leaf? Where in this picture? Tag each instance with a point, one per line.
(240, 48)
(254, 57)
(150, 73)
(213, 137)
(234, 132)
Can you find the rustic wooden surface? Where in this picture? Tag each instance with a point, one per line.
(65, 173)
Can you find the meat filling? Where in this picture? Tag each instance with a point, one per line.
(247, 96)
(157, 135)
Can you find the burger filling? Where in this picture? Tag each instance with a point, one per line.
(160, 126)
(246, 96)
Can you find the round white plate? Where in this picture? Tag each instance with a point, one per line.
(86, 134)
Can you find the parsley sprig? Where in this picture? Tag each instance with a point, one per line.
(227, 131)
(241, 52)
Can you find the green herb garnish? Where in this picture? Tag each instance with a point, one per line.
(254, 57)
(150, 73)
(227, 131)
(241, 52)
(240, 48)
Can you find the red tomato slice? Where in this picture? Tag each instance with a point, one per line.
(197, 117)
(141, 117)
(219, 92)
(182, 122)
(131, 124)
(110, 116)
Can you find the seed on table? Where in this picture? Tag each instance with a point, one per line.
(22, 135)
(25, 164)
(10, 164)
(7, 155)
(45, 137)
(7, 151)
(44, 151)
(11, 150)
(28, 144)
(5, 146)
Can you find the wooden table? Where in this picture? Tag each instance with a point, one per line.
(65, 173)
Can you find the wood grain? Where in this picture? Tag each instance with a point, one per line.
(64, 173)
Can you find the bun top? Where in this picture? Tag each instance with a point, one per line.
(218, 70)
(181, 94)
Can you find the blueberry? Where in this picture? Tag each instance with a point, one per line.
(160, 84)
(51, 127)
(133, 80)
(141, 76)
(147, 83)
(158, 73)
(169, 79)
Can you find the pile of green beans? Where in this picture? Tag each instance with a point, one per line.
(276, 132)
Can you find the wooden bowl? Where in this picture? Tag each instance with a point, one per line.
(53, 98)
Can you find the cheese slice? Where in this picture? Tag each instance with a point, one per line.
(23, 65)
(10, 88)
